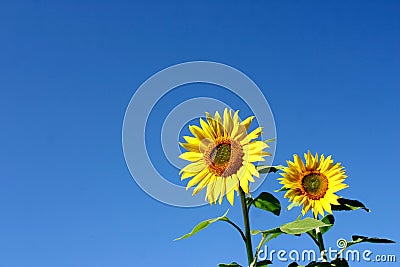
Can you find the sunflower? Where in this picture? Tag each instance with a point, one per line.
(314, 184)
(222, 156)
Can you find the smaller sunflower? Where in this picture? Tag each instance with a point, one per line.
(314, 184)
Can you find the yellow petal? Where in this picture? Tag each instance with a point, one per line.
(231, 196)
(253, 170)
(244, 184)
(207, 129)
(253, 135)
(186, 175)
(299, 163)
(202, 183)
(228, 123)
(199, 177)
(198, 132)
(326, 205)
(191, 156)
(246, 123)
(194, 167)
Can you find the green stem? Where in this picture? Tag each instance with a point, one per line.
(236, 227)
(313, 238)
(321, 245)
(264, 236)
(249, 247)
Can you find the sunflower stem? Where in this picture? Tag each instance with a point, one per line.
(237, 228)
(249, 247)
(321, 245)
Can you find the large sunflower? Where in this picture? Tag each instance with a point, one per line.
(222, 155)
(314, 184)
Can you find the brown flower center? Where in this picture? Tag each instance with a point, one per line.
(315, 185)
(224, 157)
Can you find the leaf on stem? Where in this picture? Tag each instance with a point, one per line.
(318, 264)
(202, 225)
(268, 169)
(302, 226)
(233, 264)
(349, 204)
(339, 263)
(263, 263)
(361, 239)
(268, 202)
(328, 219)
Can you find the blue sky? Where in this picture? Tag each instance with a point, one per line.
(68, 70)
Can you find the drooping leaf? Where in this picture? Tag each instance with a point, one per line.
(268, 202)
(263, 263)
(268, 169)
(340, 262)
(302, 226)
(349, 204)
(328, 219)
(202, 225)
(233, 264)
(361, 239)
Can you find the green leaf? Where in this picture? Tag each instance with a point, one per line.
(270, 231)
(270, 140)
(203, 225)
(302, 226)
(349, 204)
(268, 169)
(328, 219)
(272, 236)
(318, 264)
(283, 189)
(249, 199)
(233, 264)
(268, 202)
(263, 263)
(267, 234)
(339, 263)
(361, 239)
(293, 264)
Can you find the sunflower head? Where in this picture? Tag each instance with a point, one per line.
(222, 155)
(313, 184)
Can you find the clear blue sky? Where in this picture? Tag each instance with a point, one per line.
(329, 69)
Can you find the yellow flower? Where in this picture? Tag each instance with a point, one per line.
(314, 184)
(222, 155)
